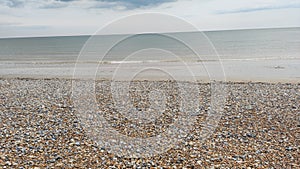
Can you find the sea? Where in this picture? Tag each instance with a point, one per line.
(264, 55)
(252, 44)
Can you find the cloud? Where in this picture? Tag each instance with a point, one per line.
(74, 17)
(114, 4)
(12, 3)
(34, 3)
(55, 4)
(6, 24)
(65, 0)
(261, 8)
(132, 4)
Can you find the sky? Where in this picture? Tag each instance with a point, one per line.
(29, 18)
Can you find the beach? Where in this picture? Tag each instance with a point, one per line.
(235, 105)
(259, 128)
(277, 70)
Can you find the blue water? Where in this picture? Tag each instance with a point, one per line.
(252, 44)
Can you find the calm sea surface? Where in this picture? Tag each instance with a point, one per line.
(258, 44)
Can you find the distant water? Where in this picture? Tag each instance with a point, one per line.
(256, 44)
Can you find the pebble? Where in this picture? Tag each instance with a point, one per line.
(39, 128)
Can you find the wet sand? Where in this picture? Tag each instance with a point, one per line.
(233, 70)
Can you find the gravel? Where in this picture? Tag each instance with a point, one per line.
(39, 128)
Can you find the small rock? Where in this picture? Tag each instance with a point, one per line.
(252, 135)
(289, 148)
(8, 163)
(249, 107)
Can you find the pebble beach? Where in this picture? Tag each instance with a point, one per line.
(259, 128)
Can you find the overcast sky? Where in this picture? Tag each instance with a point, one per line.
(76, 17)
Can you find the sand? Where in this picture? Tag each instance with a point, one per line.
(230, 70)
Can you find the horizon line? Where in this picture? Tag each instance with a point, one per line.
(212, 30)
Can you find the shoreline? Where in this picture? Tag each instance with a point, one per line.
(271, 71)
(150, 80)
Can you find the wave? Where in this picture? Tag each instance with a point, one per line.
(45, 62)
